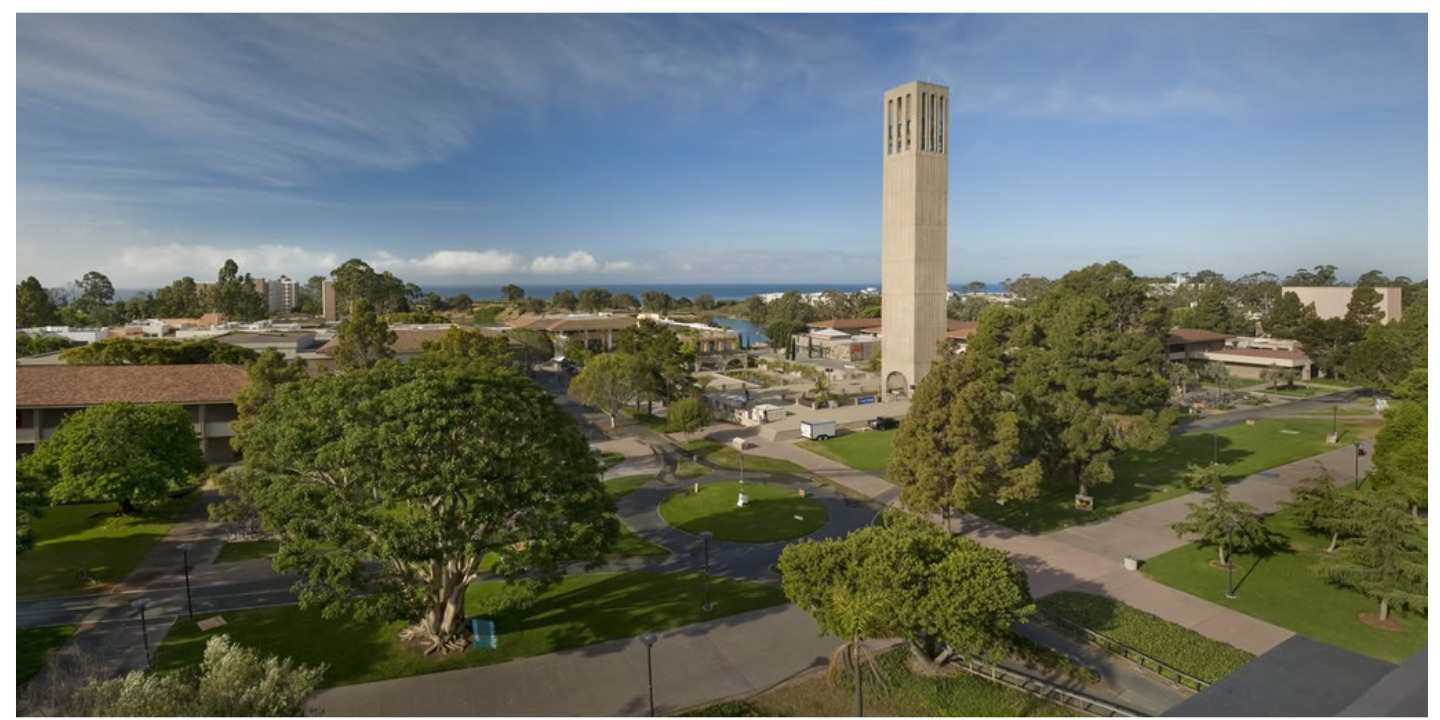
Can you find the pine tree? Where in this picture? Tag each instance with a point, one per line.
(1387, 560)
(1227, 524)
(362, 339)
(1316, 506)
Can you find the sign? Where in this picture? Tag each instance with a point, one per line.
(483, 630)
(1084, 502)
(867, 400)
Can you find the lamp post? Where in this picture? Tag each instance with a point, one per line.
(140, 604)
(1230, 555)
(189, 601)
(706, 535)
(742, 466)
(649, 640)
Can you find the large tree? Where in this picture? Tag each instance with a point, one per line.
(1090, 377)
(594, 299)
(139, 351)
(782, 333)
(179, 299)
(688, 415)
(27, 345)
(1402, 448)
(362, 338)
(512, 293)
(657, 301)
(234, 295)
(266, 374)
(1288, 317)
(608, 382)
(662, 362)
(119, 452)
(1230, 525)
(532, 346)
(423, 468)
(31, 498)
(938, 590)
(33, 306)
(1364, 308)
(1387, 560)
(1213, 310)
(564, 299)
(960, 443)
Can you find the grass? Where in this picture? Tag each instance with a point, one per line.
(726, 456)
(91, 537)
(581, 610)
(34, 645)
(1283, 589)
(1243, 449)
(756, 377)
(904, 695)
(631, 545)
(236, 551)
(1331, 382)
(769, 516)
(610, 459)
(1343, 412)
(1299, 391)
(690, 469)
(654, 422)
(867, 451)
(619, 487)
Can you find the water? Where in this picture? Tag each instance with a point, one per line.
(749, 332)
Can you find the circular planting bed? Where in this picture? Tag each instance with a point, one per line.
(773, 513)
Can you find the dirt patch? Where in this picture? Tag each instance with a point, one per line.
(1373, 620)
(1218, 565)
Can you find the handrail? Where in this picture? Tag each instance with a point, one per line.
(1078, 701)
(1184, 679)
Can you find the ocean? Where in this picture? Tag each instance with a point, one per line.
(717, 291)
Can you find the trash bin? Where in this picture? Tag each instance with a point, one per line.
(1132, 562)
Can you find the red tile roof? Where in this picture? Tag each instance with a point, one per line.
(1191, 335)
(83, 385)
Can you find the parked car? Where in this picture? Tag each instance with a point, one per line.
(883, 423)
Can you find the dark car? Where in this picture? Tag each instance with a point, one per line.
(884, 423)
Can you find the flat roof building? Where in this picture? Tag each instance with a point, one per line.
(1333, 302)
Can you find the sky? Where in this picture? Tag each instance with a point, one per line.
(585, 149)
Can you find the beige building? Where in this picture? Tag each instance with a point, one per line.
(913, 232)
(1333, 302)
(1244, 357)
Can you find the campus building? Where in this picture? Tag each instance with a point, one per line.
(598, 331)
(913, 231)
(1244, 357)
(1333, 302)
(284, 295)
(45, 394)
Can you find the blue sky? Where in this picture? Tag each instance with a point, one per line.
(571, 148)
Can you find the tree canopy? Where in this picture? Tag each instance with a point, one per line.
(119, 452)
(1387, 559)
(362, 338)
(608, 382)
(139, 351)
(1229, 525)
(33, 305)
(423, 467)
(932, 588)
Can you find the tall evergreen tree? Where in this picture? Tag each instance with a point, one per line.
(1230, 525)
(362, 339)
(1387, 560)
(1318, 507)
(33, 306)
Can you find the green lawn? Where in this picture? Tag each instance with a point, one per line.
(654, 422)
(619, 487)
(728, 457)
(1343, 412)
(903, 695)
(1243, 449)
(33, 645)
(1284, 590)
(1331, 382)
(631, 545)
(235, 551)
(610, 459)
(90, 537)
(769, 516)
(581, 610)
(867, 451)
(689, 469)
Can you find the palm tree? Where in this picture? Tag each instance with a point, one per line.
(861, 615)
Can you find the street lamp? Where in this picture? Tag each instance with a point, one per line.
(140, 604)
(742, 466)
(1230, 555)
(706, 535)
(649, 640)
(184, 549)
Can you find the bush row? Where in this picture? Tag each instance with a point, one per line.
(1172, 644)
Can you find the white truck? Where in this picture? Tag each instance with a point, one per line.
(817, 429)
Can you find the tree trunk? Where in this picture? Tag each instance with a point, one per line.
(126, 507)
(1334, 540)
(1384, 609)
(859, 681)
(612, 421)
(1222, 553)
(442, 629)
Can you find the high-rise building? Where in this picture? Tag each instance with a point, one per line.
(284, 295)
(913, 232)
(329, 310)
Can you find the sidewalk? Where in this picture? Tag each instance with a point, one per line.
(1090, 558)
(692, 665)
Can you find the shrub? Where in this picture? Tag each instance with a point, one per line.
(729, 708)
(1179, 647)
(1033, 653)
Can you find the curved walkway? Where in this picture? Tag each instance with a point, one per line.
(1089, 558)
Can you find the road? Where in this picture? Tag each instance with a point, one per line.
(1286, 409)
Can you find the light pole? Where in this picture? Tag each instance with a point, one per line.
(742, 466)
(649, 640)
(140, 604)
(1335, 422)
(706, 535)
(1230, 555)
(189, 601)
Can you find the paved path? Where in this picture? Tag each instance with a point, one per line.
(1090, 558)
(692, 665)
(1286, 408)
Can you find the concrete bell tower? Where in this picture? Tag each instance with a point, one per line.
(913, 232)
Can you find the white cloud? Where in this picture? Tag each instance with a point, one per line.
(576, 261)
(451, 263)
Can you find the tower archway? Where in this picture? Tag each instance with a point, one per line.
(896, 385)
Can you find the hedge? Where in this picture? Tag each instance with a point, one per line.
(1177, 646)
(729, 708)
